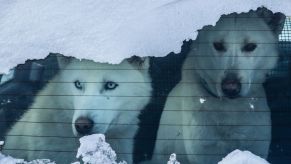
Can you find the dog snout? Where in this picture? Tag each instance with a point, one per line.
(84, 125)
(231, 86)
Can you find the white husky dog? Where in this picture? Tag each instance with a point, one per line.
(95, 98)
(220, 103)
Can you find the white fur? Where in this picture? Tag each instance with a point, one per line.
(133, 93)
(199, 136)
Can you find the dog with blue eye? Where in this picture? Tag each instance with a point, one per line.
(84, 98)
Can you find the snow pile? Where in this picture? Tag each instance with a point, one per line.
(9, 160)
(173, 160)
(94, 150)
(242, 157)
(40, 161)
(108, 30)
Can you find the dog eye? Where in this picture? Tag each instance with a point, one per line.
(78, 84)
(219, 46)
(249, 47)
(110, 85)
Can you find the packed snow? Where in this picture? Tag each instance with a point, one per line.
(173, 159)
(242, 157)
(9, 160)
(94, 150)
(108, 30)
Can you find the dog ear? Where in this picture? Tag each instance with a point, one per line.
(63, 61)
(140, 63)
(274, 20)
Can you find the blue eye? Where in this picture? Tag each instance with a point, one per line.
(110, 85)
(78, 84)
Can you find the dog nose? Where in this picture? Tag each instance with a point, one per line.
(231, 86)
(84, 125)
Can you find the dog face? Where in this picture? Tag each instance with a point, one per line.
(106, 97)
(235, 55)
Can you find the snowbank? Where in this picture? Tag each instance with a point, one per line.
(108, 30)
(95, 150)
(242, 157)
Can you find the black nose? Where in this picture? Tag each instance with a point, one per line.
(84, 125)
(231, 86)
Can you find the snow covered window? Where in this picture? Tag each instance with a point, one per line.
(137, 81)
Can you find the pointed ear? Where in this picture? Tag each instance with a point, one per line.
(140, 63)
(274, 20)
(62, 60)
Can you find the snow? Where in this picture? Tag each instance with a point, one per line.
(76, 163)
(252, 106)
(40, 161)
(9, 160)
(94, 150)
(173, 160)
(242, 157)
(108, 30)
(202, 100)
